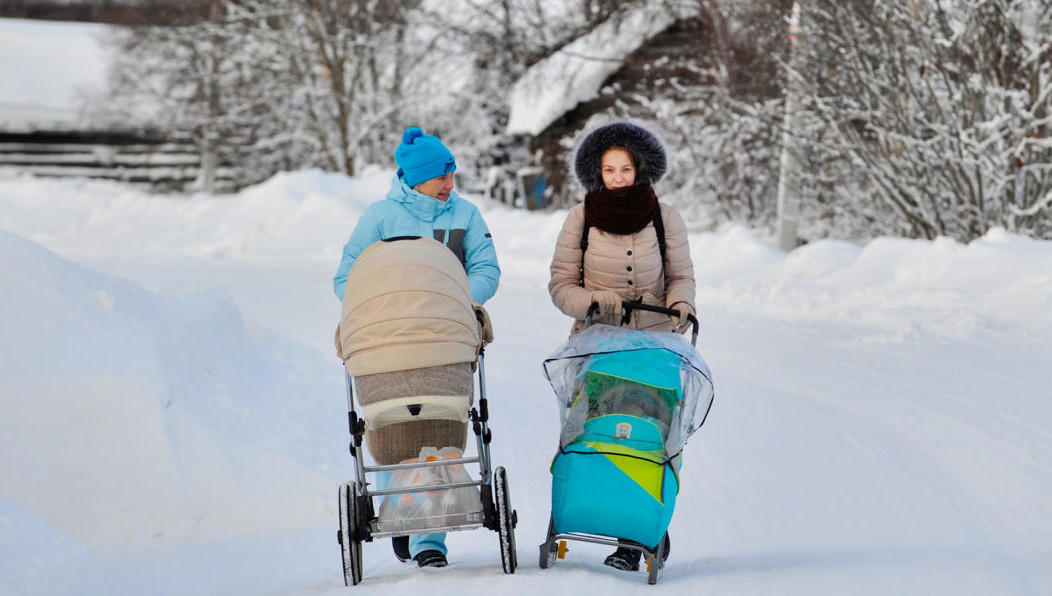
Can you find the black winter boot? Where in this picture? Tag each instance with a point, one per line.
(430, 558)
(625, 559)
(401, 548)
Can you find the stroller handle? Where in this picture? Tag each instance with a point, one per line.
(630, 306)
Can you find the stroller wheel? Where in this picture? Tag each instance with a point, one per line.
(350, 545)
(505, 521)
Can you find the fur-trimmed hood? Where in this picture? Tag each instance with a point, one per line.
(647, 153)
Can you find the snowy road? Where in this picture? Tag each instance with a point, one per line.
(881, 425)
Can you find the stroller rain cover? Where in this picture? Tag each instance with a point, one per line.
(606, 369)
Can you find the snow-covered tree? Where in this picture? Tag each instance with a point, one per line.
(920, 117)
(269, 84)
(350, 60)
(938, 110)
(490, 45)
(187, 79)
(721, 113)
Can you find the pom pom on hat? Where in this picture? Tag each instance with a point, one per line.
(411, 133)
(422, 157)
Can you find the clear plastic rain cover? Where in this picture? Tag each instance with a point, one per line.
(657, 377)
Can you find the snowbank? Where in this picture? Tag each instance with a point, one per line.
(131, 417)
(37, 559)
(890, 290)
(292, 215)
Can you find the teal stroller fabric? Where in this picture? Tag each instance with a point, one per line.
(628, 402)
(613, 489)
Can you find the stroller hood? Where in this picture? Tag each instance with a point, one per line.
(605, 374)
(407, 305)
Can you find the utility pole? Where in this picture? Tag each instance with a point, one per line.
(789, 168)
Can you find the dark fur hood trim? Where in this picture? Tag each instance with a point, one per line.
(646, 150)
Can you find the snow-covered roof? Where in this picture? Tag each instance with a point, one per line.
(575, 73)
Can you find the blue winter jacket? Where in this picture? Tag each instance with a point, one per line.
(454, 222)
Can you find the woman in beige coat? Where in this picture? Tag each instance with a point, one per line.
(619, 257)
(623, 244)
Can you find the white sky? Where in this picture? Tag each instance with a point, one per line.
(45, 68)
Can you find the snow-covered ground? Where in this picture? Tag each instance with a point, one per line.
(173, 411)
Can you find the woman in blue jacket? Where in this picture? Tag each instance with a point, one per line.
(422, 202)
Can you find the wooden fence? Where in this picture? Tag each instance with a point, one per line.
(163, 165)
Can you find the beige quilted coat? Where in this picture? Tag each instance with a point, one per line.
(628, 264)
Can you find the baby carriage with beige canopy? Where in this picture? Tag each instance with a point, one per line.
(411, 340)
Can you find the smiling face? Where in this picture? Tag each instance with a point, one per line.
(617, 168)
(438, 188)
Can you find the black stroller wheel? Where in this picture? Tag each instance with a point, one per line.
(505, 521)
(350, 546)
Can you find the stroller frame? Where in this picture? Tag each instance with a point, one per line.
(357, 516)
(554, 546)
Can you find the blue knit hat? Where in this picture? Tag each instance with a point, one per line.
(422, 157)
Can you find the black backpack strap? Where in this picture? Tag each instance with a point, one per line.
(584, 246)
(659, 227)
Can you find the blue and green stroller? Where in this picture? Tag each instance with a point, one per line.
(628, 402)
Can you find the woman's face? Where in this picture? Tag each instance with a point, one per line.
(617, 168)
(437, 188)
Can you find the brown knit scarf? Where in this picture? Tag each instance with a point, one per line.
(621, 210)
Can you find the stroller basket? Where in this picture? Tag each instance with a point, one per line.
(431, 492)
